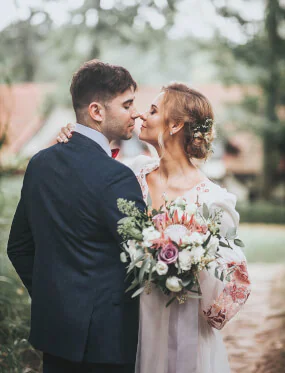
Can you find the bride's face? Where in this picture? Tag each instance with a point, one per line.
(153, 122)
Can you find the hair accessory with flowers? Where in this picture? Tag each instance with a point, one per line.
(168, 248)
(203, 128)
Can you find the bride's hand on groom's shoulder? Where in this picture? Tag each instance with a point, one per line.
(65, 133)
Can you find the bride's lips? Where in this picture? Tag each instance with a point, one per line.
(142, 126)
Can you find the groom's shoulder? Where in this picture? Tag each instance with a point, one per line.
(111, 169)
(42, 154)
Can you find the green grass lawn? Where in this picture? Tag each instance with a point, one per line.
(265, 243)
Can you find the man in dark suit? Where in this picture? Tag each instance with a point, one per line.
(64, 242)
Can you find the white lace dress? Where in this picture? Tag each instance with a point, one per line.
(185, 338)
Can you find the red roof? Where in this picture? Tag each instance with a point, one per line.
(23, 103)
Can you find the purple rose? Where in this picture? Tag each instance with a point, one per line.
(168, 254)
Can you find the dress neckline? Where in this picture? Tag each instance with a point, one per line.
(151, 167)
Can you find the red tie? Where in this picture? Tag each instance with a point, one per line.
(115, 152)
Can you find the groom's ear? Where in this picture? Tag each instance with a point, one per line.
(96, 111)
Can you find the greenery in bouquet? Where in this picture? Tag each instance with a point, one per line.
(169, 247)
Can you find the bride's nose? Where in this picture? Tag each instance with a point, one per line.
(143, 116)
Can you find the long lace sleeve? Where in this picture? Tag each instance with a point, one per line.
(223, 299)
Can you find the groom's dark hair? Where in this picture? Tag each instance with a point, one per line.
(98, 81)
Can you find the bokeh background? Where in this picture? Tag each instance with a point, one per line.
(233, 52)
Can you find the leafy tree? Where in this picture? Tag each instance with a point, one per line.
(263, 55)
(20, 45)
(30, 47)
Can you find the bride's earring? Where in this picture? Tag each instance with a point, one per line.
(171, 133)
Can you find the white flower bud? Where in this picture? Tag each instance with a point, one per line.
(174, 284)
(123, 257)
(161, 268)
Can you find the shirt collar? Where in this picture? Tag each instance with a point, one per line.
(94, 135)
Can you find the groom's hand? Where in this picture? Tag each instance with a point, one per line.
(66, 133)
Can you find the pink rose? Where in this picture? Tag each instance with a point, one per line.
(168, 254)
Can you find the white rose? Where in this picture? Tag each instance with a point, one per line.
(185, 259)
(150, 234)
(161, 268)
(191, 209)
(197, 252)
(174, 284)
(123, 257)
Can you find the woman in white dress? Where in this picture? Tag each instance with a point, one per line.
(185, 338)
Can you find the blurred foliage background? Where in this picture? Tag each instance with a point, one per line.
(237, 48)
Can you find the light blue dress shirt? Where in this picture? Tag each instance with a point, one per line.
(94, 135)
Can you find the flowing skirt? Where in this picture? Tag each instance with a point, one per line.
(177, 339)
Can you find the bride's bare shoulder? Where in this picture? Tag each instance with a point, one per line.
(141, 161)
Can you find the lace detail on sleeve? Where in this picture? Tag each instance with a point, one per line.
(233, 297)
(145, 169)
(222, 300)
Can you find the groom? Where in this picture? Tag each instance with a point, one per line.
(64, 242)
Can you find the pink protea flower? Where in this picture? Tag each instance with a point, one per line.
(168, 254)
(176, 232)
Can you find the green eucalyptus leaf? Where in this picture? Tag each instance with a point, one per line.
(6, 279)
(136, 234)
(133, 264)
(195, 296)
(186, 282)
(206, 212)
(222, 244)
(238, 242)
(138, 292)
(124, 220)
(169, 302)
(133, 285)
(143, 269)
(205, 244)
(216, 272)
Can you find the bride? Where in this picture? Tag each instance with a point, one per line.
(185, 338)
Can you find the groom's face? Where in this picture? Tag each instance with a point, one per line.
(120, 115)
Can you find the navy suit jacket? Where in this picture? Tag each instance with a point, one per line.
(65, 247)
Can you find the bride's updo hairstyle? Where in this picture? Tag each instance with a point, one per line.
(184, 104)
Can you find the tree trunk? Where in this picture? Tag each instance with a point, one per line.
(271, 91)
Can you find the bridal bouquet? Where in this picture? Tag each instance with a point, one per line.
(168, 248)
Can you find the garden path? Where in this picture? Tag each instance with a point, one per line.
(247, 336)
